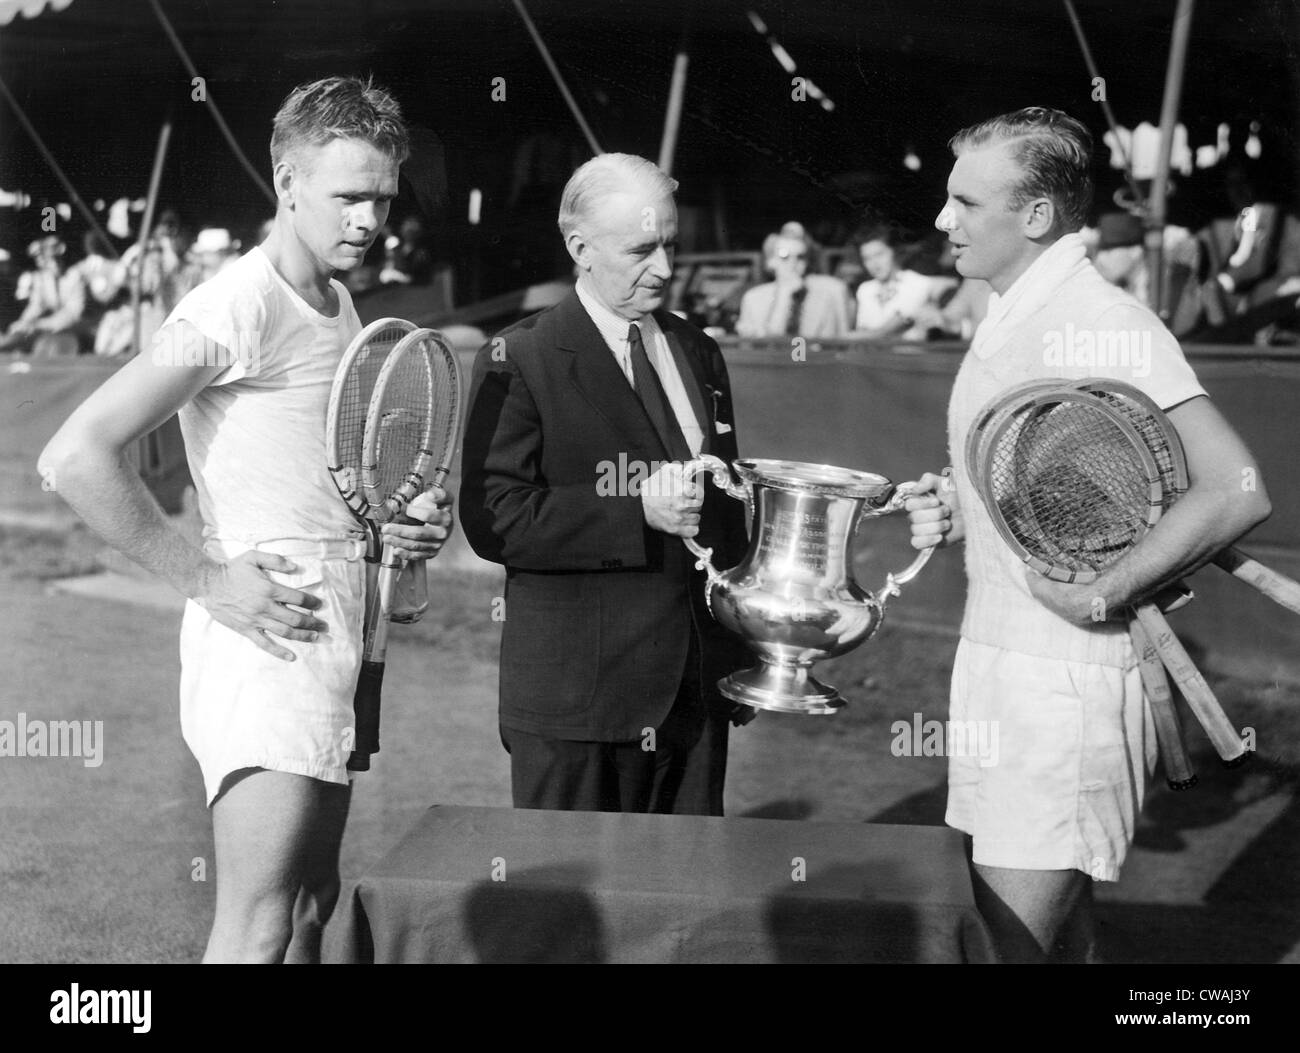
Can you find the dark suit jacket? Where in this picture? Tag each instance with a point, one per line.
(600, 608)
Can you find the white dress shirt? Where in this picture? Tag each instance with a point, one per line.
(614, 330)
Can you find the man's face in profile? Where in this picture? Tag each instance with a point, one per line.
(626, 247)
(341, 193)
(986, 234)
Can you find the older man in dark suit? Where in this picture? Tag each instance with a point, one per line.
(579, 419)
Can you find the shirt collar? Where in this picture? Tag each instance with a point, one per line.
(612, 327)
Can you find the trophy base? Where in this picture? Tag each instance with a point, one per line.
(783, 689)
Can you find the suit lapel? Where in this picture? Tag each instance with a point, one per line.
(596, 373)
(691, 370)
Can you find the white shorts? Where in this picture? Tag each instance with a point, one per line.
(1076, 745)
(243, 708)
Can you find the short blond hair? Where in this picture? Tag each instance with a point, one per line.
(339, 108)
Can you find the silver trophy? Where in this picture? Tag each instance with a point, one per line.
(793, 598)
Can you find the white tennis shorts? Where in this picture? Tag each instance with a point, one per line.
(1076, 745)
(243, 708)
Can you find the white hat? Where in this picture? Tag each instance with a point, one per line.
(214, 239)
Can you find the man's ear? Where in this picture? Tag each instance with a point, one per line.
(579, 249)
(283, 179)
(1039, 218)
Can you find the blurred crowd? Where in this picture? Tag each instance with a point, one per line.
(84, 304)
(1235, 280)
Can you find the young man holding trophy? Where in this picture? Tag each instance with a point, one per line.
(1061, 805)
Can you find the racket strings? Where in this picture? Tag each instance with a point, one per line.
(354, 394)
(1070, 486)
(396, 469)
(445, 424)
(1154, 436)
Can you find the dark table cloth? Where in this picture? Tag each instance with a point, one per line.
(506, 885)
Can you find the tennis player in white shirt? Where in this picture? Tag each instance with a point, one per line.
(271, 639)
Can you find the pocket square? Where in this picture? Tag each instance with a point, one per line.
(721, 428)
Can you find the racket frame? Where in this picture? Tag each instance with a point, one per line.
(1039, 402)
(1155, 427)
(1199, 696)
(391, 507)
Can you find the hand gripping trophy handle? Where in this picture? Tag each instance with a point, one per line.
(894, 582)
(723, 481)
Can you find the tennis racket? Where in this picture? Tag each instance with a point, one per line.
(408, 444)
(345, 428)
(1161, 438)
(1071, 491)
(1005, 415)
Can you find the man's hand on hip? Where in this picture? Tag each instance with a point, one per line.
(241, 596)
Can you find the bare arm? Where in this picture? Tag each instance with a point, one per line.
(86, 463)
(1226, 498)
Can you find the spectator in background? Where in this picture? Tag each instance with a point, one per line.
(96, 272)
(213, 251)
(960, 315)
(892, 300)
(1243, 256)
(794, 303)
(1118, 253)
(49, 324)
(159, 269)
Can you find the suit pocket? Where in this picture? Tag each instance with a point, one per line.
(550, 655)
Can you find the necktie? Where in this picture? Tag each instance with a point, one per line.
(651, 393)
(796, 310)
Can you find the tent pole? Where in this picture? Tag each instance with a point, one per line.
(555, 73)
(676, 93)
(211, 103)
(58, 172)
(1160, 185)
(1105, 105)
(146, 227)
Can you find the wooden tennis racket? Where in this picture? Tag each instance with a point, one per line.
(1161, 438)
(408, 444)
(1004, 416)
(1071, 491)
(347, 429)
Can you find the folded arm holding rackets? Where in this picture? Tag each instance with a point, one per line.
(1226, 498)
(86, 462)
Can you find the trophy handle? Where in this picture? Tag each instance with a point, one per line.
(894, 582)
(721, 479)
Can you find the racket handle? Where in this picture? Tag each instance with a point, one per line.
(1169, 733)
(365, 708)
(1277, 587)
(1227, 743)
